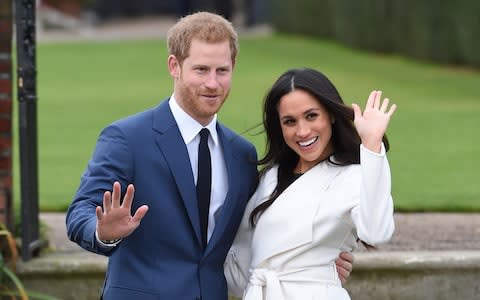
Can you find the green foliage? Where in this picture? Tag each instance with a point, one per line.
(307, 17)
(434, 157)
(8, 278)
(11, 287)
(440, 31)
(9, 283)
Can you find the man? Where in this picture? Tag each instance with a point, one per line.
(178, 249)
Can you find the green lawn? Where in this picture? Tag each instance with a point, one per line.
(434, 156)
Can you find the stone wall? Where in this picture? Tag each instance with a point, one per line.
(439, 275)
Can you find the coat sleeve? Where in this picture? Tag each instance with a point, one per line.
(238, 261)
(373, 216)
(110, 162)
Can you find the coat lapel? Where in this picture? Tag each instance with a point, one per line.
(288, 222)
(173, 148)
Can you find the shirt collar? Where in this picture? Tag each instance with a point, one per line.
(188, 126)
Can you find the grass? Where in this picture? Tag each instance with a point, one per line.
(83, 86)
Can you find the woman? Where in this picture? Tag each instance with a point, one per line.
(325, 186)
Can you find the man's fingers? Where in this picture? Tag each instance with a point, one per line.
(99, 213)
(107, 201)
(347, 257)
(343, 275)
(342, 270)
(128, 199)
(140, 213)
(116, 194)
(344, 264)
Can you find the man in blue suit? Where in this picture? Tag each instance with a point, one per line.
(147, 165)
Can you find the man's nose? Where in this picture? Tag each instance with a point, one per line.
(212, 81)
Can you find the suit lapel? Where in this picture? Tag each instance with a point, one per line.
(173, 148)
(287, 223)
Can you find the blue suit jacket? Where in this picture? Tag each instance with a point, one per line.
(163, 257)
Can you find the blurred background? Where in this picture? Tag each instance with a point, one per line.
(65, 13)
(101, 60)
(442, 31)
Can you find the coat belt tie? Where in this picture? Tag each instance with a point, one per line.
(269, 281)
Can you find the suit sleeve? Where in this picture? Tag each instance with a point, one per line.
(238, 261)
(111, 161)
(373, 217)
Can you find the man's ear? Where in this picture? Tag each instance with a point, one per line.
(173, 66)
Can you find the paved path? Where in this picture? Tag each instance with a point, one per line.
(135, 28)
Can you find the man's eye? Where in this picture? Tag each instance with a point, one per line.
(222, 70)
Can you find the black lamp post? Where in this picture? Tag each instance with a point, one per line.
(27, 109)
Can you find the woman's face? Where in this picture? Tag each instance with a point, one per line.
(306, 127)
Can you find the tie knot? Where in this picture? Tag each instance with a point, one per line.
(204, 134)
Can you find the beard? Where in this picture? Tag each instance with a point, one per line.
(194, 103)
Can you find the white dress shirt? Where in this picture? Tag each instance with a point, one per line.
(190, 129)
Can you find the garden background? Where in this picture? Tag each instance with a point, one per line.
(85, 85)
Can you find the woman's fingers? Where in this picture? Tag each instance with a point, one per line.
(377, 99)
(384, 106)
(392, 109)
(357, 112)
(371, 100)
(375, 102)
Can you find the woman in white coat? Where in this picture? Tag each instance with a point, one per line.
(325, 186)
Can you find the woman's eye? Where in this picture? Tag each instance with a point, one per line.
(311, 116)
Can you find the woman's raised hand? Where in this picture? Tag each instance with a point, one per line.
(373, 122)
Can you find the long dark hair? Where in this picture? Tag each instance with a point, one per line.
(345, 139)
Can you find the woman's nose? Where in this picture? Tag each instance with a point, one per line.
(303, 129)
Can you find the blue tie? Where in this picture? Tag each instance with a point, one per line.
(204, 182)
